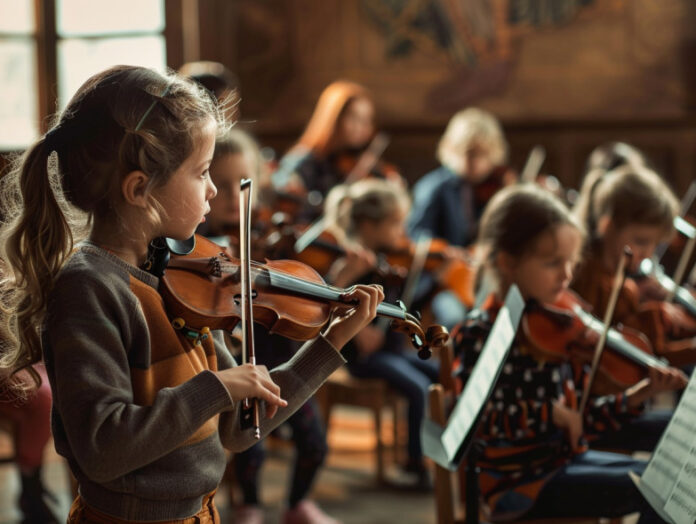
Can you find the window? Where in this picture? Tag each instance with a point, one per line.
(95, 34)
(19, 120)
(46, 55)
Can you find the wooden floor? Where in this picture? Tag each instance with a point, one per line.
(345, 488)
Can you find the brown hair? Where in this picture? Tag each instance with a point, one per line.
(120, 120)
(630, 194)
(369, 199)
(516, 217)
(320, 132)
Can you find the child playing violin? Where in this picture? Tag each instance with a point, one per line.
(374, 212)
(141, 412)
(532, 464)
(448, 202)
(631, 205)
(237, 157)
(337, 136)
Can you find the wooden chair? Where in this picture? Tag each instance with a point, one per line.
(373, 394)
(450, 487)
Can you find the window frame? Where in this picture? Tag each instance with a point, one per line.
(46, 40)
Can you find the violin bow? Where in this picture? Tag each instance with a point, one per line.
(250, 407)
(420, 255)
(690, 232)
(619, 279)
(533, 164)
(369, 158)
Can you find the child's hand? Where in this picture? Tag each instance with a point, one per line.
(248, 381)
(568, 420)
(369, 340)
(670, 379)
(659, 380)
(350, 320)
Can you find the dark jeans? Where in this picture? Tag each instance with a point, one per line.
(310, 450)
(308, 432)
(408, 375)
(640, 434)
(594, 484)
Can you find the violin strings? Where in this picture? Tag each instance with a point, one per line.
(290, 283)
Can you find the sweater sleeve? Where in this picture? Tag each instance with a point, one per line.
(605, 412)
(299, 378)
(86, 343)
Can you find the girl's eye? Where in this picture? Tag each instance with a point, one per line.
(205, 173)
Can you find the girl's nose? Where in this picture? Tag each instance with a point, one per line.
(212, 190)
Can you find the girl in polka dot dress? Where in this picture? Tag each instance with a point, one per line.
(532, 462)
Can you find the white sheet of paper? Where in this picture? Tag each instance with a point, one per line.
(480, 384)
(671, 473)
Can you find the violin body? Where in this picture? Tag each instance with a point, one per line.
(655, 285)
(196, 289)
(673, 252)
(564, 330)
(500, 177)
(672, 327)
(203, 289)
(453, 273)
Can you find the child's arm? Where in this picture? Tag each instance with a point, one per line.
(298, 379)
(95, 343)
(301, 376)
(610, 411)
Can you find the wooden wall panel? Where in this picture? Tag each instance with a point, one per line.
(567, 74)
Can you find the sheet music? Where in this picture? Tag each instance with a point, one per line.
(482, 379)
(671, 472)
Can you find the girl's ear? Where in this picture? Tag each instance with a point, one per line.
(506, 265)
(603, 225)
(134, 188)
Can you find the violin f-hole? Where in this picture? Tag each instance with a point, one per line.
(238, 297)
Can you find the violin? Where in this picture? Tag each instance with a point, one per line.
(566, 330)
(202, 290)
(453, 273)
(654, 284)
(321, 252)
(671, 328)
(500, 177)
(356, 165)
(671, 255)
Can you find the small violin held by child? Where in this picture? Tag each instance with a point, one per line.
(290, 298)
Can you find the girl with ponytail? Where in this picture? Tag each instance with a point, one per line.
(140, 411)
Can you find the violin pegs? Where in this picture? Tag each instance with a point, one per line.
(424, 353)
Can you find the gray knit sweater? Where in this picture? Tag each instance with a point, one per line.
(137, 412)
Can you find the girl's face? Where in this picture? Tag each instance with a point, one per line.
(184, 198)
(547, 270)
(478, 163)
(642, 239)
(383, 234)
(356, 126)
(227, 173)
